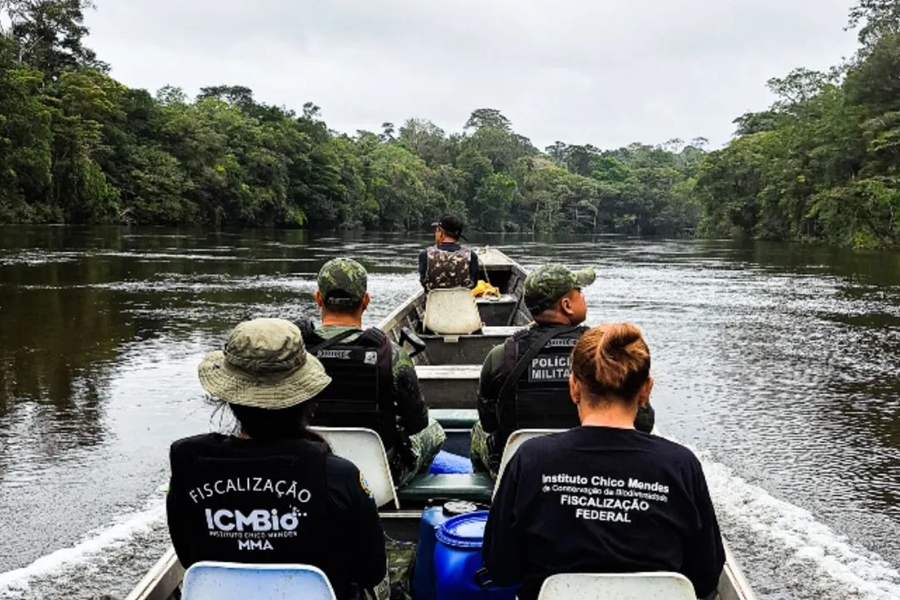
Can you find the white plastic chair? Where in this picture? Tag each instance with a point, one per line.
(451, 311)
(364, 448)
(661, 585)
(516, 439)
(210, 580)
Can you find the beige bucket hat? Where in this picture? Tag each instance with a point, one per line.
(265, 365)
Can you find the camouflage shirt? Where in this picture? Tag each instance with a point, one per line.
(411, 408)
(450, 274)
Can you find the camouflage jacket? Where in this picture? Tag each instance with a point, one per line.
(448, 265)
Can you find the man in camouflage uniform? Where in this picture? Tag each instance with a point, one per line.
(447, 264)
(538, 395)
(364, 364)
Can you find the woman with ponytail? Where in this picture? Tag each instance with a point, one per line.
(604, 497)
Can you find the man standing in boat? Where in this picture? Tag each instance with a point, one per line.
(447, 264)
(524, 382)
(374, 382)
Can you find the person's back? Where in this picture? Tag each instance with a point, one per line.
(447, 264)
(240, 500)
(362, 392)
(524, 382)
(374, 382)
(274, 493)
(603, 497)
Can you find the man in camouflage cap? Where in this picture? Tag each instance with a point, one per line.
(343, 282)
(448, 264)
(525, 381)
(374, 382)
(550, 283)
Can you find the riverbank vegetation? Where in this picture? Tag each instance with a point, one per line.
(823, 162)
(76, 146)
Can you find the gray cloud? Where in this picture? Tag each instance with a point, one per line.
(581, 71)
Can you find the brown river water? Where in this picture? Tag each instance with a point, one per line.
(776, 363)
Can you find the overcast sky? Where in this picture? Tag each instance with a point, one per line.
(606, 72)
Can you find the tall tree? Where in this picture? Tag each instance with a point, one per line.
(488, 117)
(875, 20)
(50, 34)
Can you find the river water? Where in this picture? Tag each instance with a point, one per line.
(776, 363)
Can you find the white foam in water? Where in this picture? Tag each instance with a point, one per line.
(812, 555)
(15, 582)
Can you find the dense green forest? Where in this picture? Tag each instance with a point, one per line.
(823, 163)
(76, 146)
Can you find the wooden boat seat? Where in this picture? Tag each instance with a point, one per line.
(622, 586)
(475, 487)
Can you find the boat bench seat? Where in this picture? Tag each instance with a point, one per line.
(476, 487)
(503, 299)
(497, 311)
(494, 331)
(500, 331)
(448, 372)
(465, 349)
(449, 386)
(454, 418)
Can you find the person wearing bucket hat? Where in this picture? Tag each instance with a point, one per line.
(374, 383)
(447, 264)
(603, 497)
(273, 491)
(524, 381)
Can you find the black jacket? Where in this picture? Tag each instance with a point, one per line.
(602, 500)
(285, 501)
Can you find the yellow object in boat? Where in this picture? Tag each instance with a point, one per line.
(485, 289)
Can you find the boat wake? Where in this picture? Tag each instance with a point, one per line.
(786, 552)
(103, 565)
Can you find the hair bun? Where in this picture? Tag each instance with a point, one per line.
(617, 338)
(612, 359)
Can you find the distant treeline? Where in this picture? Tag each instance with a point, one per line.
(76, 146)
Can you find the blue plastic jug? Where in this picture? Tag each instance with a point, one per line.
(432, 517)
(457, 557)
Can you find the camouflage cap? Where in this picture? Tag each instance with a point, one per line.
(548, 283)
(342, 282)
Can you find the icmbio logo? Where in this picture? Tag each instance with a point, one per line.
(256, 521)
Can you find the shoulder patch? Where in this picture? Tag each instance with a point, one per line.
(365, 485)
